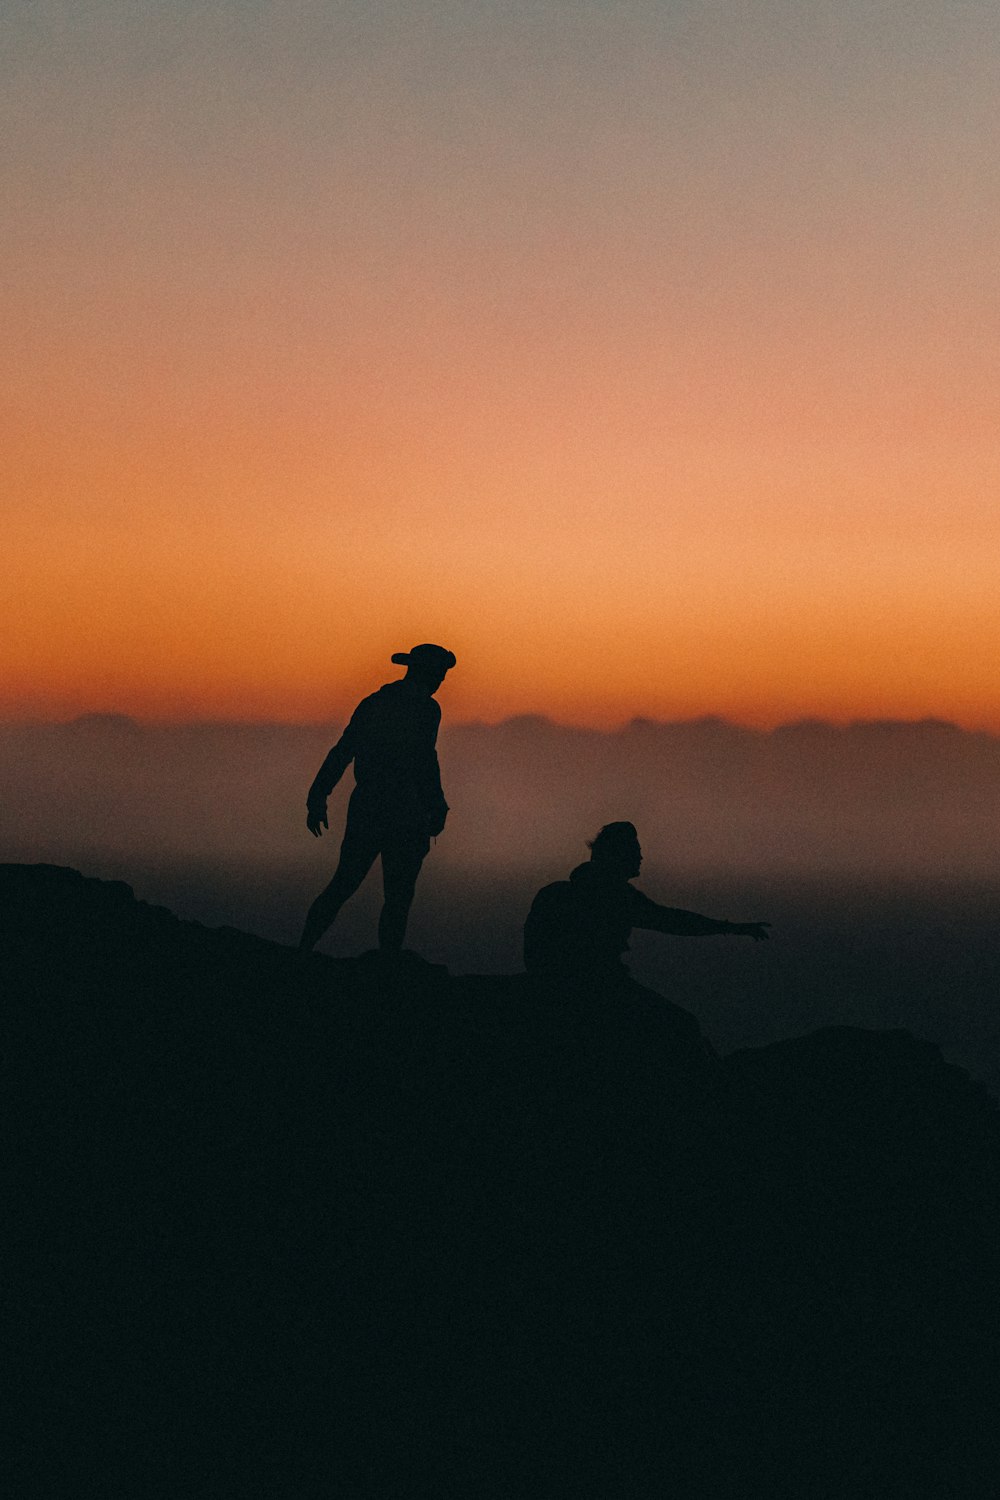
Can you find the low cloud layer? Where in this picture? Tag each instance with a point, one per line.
(900, 799)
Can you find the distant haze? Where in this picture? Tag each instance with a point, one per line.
(896, 799)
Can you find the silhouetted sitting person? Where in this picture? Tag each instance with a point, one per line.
(581, 926)
(397, 806)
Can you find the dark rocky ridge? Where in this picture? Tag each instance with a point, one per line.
(291, 1227)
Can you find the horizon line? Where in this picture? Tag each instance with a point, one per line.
(110, 717)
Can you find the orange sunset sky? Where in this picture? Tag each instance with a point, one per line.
(645, 354)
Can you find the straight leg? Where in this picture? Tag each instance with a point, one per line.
(401, 861)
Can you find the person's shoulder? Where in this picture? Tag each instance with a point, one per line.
(400, 691)
(371, 701)
(552, 895)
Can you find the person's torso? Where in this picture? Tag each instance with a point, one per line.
(395, 759)
(579, 925)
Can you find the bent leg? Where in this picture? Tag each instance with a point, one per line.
(674, 1025)
(401, 861)
(357, 855)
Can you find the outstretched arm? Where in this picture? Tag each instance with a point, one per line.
(671, 919)
(326, 779)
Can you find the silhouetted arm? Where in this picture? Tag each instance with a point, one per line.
(326, 779)
(437, 806)
(671, 919)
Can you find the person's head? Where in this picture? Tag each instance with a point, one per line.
(617, 850)
(426, 664)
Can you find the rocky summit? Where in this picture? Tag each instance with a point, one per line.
(283, 1226)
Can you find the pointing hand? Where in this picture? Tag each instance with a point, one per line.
(756, 930)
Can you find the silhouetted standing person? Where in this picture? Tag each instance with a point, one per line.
(581, 926)
(397, 805)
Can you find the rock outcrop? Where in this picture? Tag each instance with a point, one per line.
(296, 1227)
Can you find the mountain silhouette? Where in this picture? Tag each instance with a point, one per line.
(287, 1225)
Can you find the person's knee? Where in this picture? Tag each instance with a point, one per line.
(400, 897)
(334, 897)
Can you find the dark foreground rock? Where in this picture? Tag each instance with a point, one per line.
(284, 1227)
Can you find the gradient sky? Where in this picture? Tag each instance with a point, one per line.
(645, 354)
